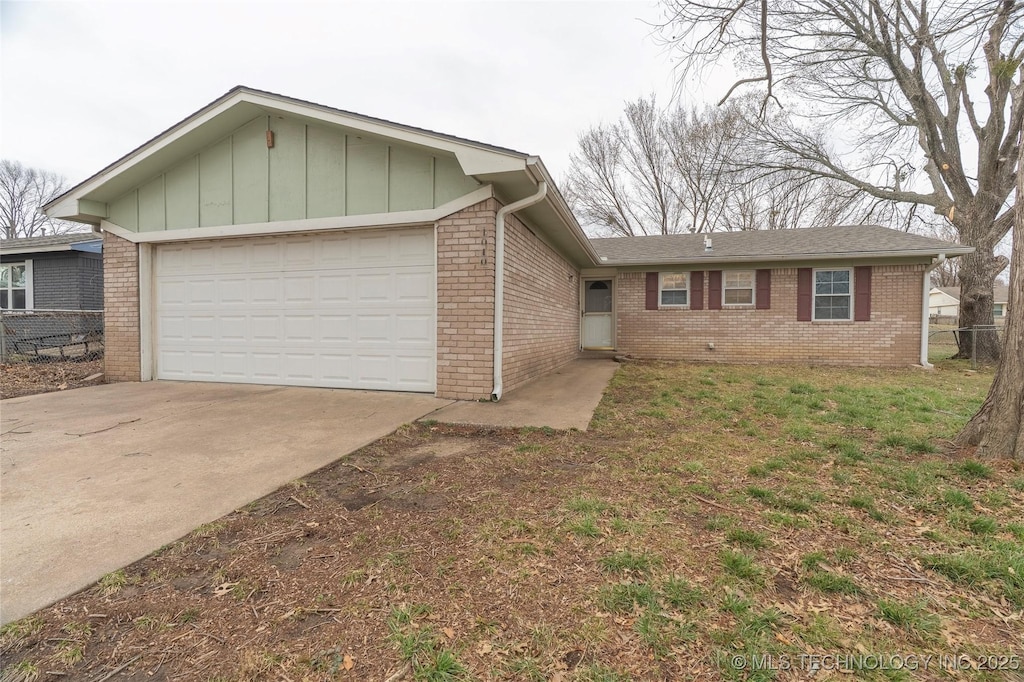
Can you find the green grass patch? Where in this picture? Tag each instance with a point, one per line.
(626, 561)
(831, 583)
(914, 618)
(746, 538)
(624, 597)
(740, 565)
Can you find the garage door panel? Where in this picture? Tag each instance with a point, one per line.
(354, 310)
(233, 291)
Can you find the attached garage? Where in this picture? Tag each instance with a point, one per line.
(338, 310)
(269, 240)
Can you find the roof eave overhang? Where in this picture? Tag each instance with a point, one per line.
(238, 107)
(952, 252)
(53, 248)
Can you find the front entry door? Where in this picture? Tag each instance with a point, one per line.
(598, 319)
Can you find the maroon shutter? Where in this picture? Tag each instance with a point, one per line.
(697, 290)
(804, 294)
(862, 293)
(764, 289)
(714, 290)
(652, 291)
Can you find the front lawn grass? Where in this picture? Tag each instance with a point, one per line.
(710, 516)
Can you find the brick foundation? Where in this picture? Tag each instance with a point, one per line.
(890, 339)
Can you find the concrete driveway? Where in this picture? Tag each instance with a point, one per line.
(96, 478)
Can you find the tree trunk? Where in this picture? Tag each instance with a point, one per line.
(977, 275)
(997, 428)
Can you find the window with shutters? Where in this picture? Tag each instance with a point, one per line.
(674, 290)
(738, 287)
(833, 294)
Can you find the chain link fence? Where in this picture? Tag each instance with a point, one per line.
(50, 335)
(944, 340)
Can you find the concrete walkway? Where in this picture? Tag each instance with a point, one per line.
(563, 399)
(96, 478)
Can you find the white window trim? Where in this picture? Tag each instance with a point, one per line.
(661, 282)
(753, 290)
(814, 295)
(29, 297)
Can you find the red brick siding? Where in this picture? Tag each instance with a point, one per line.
(541, 316)
(121, 309)
(465, 302)
(891, 338)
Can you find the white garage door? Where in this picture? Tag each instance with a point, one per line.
(343, 310)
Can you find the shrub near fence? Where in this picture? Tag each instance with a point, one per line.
(45, 335)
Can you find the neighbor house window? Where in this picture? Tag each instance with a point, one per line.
(674, 289)
(15, 287)
(997, 310)
(738, 287)
(833, 295)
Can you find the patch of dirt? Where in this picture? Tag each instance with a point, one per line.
(28, 378)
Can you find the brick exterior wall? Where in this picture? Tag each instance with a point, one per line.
(465, 302)
(64, 280)
(542, 308)
(891, 338)
(121, 309)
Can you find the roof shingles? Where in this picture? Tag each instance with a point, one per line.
(860, 241)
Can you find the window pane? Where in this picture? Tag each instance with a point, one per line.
(18, 276)
(3, 299)
(599, 298)
(738, 296)
(5, 276)
(18, 299)
(832, 307)
(739, 279)
(673, 280)
(832, 282)
(674, 297)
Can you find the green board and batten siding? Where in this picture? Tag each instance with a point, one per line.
(310, 172)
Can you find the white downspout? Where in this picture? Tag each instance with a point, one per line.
(499, 277)
(925, 292)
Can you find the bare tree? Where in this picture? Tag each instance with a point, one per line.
(668, 171)
(998, 427)
(22, 192)
(620, 179)
(897, 74)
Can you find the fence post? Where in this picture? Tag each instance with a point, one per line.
(974, 347)
(3, 340)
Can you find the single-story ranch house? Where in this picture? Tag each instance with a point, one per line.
(945, 302)
(270, 240)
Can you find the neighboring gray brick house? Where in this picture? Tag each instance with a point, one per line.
(62, 272)
(56, 273)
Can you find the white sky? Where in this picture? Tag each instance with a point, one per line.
(85, 82)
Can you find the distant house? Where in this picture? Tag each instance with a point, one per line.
(51, 292)
(944, 302)
(61, 272)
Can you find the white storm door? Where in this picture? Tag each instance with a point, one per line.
(338, 309)
(598, 318)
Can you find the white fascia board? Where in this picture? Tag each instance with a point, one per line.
(368, 221)
(180, 130)
(802, 257)
(558, 202)
(474, 160)
(33, 249)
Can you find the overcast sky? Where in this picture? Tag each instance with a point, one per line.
(85, 82)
